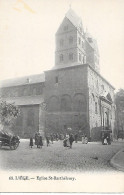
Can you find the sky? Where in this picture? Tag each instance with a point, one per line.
(28, 27)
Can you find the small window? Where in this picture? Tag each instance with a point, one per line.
(79, 40)
(61, 42)
(95, 107)
(61, 57)
(71, 56)
(56, 79)
(70, 40)
(79, 57)
(65, 27)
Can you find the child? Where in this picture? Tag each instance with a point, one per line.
(31, 142)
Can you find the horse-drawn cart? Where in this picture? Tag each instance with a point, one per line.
(10, 140)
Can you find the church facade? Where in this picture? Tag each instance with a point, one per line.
(73, 96)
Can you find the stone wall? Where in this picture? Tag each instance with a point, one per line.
(99, 87)
(67, 99)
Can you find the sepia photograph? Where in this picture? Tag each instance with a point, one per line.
(62, 96)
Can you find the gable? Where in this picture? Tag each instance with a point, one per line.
(65, 26)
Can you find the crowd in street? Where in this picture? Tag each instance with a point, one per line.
(67, 139)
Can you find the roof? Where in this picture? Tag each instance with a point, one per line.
(31, 79)
(25, 100)
(74, 19)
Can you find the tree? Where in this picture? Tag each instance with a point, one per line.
(8, 113)
(119, 100)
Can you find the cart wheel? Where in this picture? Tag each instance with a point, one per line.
(13, 146)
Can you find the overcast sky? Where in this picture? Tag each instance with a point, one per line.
(28, 27)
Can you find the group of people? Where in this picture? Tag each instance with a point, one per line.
(39, 140)
(68, 139)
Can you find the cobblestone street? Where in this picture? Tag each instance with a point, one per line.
(89, 157)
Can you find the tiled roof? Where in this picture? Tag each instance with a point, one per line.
(25, 100)
(74, 19)
(31, 79)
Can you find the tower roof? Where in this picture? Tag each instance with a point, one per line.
(74, 19)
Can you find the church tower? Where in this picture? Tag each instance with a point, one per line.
(73, 45)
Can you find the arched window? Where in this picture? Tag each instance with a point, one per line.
(79, 102)
(70, 40)
(61, 58)
(66, 103)
(53, 104)
(61, 42)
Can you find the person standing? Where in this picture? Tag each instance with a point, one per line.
(76, 137)
(31, 142)
(36, 138)
(51, 137)
(71, 139)
(47, 141)
(40, 141)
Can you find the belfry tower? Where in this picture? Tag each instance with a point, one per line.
(73, 45)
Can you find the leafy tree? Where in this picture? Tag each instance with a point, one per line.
(8, 113)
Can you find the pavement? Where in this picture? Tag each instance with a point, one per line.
(117, 161)
(82, 157)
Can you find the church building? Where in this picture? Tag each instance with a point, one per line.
(72, 96)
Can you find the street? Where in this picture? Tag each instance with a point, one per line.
(82, 157)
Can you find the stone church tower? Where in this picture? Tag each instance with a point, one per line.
(73, 45)
(75, 95)
(78, 97)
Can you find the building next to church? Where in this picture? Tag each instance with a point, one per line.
(72, 96)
